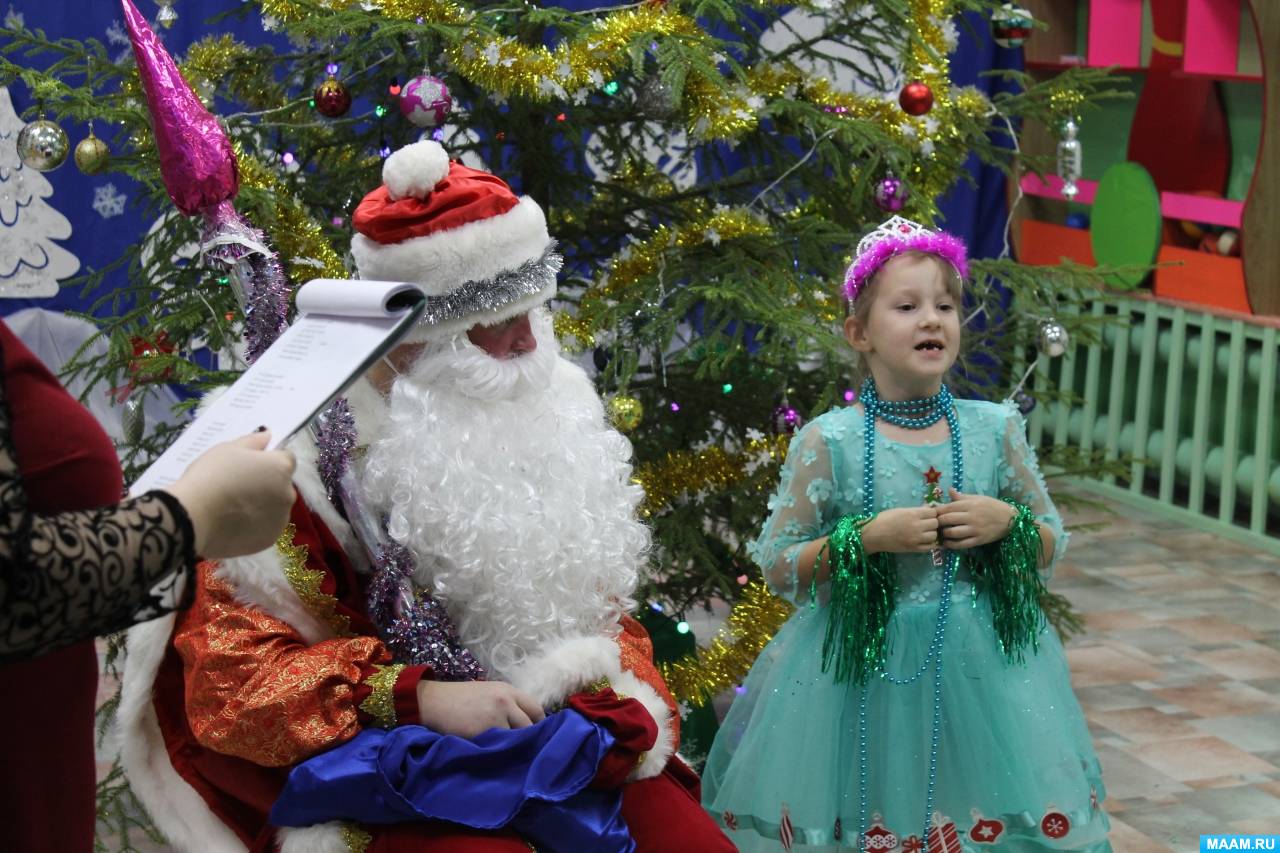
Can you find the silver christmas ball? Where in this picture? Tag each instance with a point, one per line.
(1054, 339)
(655, 100)
(42, 145)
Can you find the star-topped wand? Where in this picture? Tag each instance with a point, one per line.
(933, 497)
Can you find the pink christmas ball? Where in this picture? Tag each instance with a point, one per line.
(425, 101)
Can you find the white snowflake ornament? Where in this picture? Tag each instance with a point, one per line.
(108, 201)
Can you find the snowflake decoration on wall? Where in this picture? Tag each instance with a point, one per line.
(14, 20)
(108, 201)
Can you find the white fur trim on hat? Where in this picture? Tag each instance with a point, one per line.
(415, 169)
(444, 261)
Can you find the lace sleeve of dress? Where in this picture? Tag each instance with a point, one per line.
(1020, 479)
(70, 576)
(800, 511)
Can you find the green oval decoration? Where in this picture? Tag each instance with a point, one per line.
(1125, 225)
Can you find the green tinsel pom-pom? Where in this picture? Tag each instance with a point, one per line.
(1009, 572)
(862, 600)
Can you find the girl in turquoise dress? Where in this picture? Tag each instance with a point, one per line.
(916, 697)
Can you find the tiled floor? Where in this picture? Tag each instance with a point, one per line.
(1179, 676)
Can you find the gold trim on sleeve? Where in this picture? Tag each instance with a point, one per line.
(306, 583)
(381, 703)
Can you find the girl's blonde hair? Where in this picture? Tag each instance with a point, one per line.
(861, 306)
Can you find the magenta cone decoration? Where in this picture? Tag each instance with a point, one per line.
(196, 160)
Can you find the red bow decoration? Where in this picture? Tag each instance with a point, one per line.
(140, 370)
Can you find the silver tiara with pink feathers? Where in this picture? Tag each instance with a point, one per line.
(893, 237)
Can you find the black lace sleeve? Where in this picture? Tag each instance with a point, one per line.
(73, 575)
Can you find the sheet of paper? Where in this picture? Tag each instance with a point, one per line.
(311, 363)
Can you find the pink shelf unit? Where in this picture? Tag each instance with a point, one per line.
(1051, 187)
(1213, 37)
(1115, 32)
(1211, 211)
(1211, 46)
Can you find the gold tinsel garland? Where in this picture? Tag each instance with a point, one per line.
(1066, 102)
(642, 259)
(568, 326)
(296, 235)
(213, 58)
(435, 11)
(539, 73)
(687, 471)
(696, 679)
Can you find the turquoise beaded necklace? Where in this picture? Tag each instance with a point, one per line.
(910, 414)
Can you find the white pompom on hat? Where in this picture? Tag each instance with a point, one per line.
(455, 231)
(414, 171)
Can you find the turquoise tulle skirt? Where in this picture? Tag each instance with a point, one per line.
(1015, 763)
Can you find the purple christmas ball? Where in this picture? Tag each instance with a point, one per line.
(425, 101)
(786, 420)
(890, 194)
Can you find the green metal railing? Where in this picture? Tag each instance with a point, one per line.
(1191, 396)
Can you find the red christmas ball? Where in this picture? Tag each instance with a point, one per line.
(332, 98)
(916, 98)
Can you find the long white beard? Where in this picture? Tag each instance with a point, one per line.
(515, 496)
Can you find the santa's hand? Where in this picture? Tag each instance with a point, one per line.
(467, 708)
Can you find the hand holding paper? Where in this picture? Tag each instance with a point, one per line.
(237, 495)
(341, 330)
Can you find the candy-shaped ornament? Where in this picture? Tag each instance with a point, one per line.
(1070, 158)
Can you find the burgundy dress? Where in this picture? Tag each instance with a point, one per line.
(75, 562)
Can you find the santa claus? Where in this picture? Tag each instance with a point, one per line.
(456, 576)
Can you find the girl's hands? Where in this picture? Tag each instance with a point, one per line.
(972, 520)
(907, 530)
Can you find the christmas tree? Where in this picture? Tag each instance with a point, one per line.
(707, 168)
(31, 263)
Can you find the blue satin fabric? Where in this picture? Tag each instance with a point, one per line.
(533, 780)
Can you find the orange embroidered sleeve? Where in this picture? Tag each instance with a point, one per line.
(637, 657)
(256, 690)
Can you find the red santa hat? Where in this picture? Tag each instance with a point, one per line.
(461, 234)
